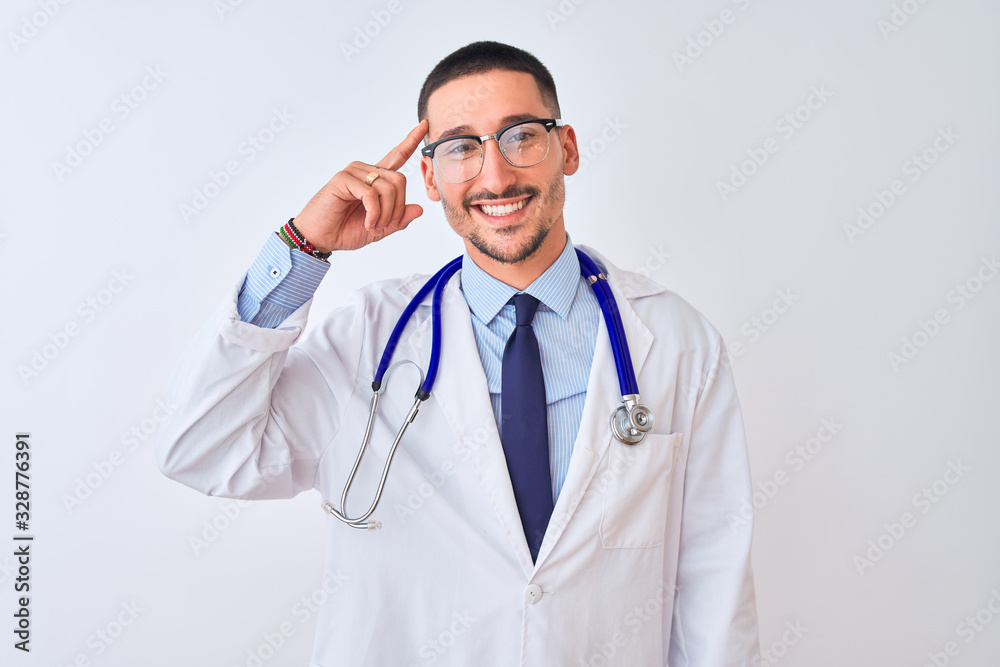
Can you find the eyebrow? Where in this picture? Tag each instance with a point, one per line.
(467, 129)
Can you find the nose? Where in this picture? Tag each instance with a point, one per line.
(497, 174)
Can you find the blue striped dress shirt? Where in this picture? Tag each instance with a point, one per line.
(565, 324)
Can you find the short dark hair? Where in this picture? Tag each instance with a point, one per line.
(482, 57)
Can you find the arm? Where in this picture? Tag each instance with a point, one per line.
(230, 435)
(715, 616)
(254, 415)
(280, 281)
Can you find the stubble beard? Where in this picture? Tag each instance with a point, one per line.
(457, 215)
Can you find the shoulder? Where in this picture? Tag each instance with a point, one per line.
(663, 311)
(389, 293)
(366, 311)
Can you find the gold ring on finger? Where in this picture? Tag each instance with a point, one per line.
(371, 178)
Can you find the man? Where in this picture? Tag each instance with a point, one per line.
(625, 556)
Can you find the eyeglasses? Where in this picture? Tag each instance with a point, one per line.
(523, 144)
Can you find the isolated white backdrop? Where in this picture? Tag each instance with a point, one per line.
(661, 133)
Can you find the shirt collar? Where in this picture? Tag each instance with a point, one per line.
(555, 288)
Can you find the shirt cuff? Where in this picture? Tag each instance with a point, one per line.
(278, 283)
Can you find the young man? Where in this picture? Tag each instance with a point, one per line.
(540, 538)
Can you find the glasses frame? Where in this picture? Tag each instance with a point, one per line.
(547, 123)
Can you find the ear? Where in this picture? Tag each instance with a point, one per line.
(427, 171)
(571, 154)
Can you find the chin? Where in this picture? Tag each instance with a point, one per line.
(508, 245)
(519, 239)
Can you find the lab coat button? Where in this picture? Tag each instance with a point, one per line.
(532, 593)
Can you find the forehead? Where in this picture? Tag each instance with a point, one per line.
(480, 102)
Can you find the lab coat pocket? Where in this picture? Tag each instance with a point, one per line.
(637, 491)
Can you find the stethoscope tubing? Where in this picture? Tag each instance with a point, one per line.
(439, 278)
(432, 368)
(598, 282)
(613, 320)
(629, 422)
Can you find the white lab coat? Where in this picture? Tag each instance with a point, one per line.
(639, 565)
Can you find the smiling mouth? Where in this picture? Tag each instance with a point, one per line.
(502, 210)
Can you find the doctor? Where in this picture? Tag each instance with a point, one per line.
(625, 557)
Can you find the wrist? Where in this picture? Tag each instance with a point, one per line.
(297, 240)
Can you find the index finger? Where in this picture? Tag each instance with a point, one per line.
(398, 156)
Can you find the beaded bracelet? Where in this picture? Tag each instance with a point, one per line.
(294, 238)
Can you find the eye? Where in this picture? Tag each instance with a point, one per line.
(459, 148)
(522, 134)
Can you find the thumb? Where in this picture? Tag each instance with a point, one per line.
(410, 213)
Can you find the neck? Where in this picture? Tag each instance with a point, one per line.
(521, 274)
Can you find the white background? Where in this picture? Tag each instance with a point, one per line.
(648, 197)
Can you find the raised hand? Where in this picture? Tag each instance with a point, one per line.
(347, 213)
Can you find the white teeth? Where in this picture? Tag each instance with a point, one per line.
(505, 209)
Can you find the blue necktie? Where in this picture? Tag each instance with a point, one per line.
(524, 426)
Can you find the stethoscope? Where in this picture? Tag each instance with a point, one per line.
(629, 422)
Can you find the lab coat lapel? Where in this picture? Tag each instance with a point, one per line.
(463, 396)
(603, 397)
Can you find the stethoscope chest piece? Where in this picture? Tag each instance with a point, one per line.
(631, 421)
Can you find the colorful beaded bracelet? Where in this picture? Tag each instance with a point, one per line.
(294, 238)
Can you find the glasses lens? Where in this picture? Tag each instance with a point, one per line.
(525, 145)
(458, 160)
